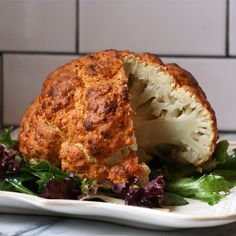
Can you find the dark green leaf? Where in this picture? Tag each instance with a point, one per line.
(44, 166)
(220, 153)
(172, 199)
(6, 186)
(16, 182)
(41, 166)
(226, 159)
(229, 175)
(229, 164)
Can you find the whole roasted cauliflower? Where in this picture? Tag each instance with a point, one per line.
(103, 115)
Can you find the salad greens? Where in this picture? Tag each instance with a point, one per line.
(150, 194)
(170, 182)
(6, 139)
(210, 188)
(172, 199)
(212, 184)
(226, 160)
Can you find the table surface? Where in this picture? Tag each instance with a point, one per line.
(22, 225)
(25, 225)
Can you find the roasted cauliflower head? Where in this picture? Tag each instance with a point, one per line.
(104, 115)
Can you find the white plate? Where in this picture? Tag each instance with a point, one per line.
(195, 214)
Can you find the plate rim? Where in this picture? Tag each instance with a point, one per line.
(36, 201)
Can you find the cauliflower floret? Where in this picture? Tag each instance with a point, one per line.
(169, 114)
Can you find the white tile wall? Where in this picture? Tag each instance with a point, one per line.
(167, 27)
(161, 26)
(232, 28)
(218, 79)
(228, 136)
(23, 78)
(38, 25)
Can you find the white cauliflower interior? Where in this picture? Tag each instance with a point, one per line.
(166, 114)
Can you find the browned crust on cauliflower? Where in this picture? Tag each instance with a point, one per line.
(84, 102)
(37, 139)
(128, 167)
(83, 116)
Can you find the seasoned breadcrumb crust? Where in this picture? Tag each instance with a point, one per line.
(83, 116)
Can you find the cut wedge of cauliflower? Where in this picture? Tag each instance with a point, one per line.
(105, 115)
(167, 113)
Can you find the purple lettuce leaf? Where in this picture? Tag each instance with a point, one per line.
(63, 189)
(150, 194)
(8, 161)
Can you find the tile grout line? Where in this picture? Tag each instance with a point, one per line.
(227, 131)
(227, 43)
(196, 56)
(77, 26)
(39, 52)
(77, 53)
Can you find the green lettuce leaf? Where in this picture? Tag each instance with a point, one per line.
(210, 188)
(5, 138)
(43, 173)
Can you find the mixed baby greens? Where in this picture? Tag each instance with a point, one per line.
(170, 182)
(212, 184)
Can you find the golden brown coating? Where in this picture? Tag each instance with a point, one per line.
(83, 117)
(38, 139)
(129, 166)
